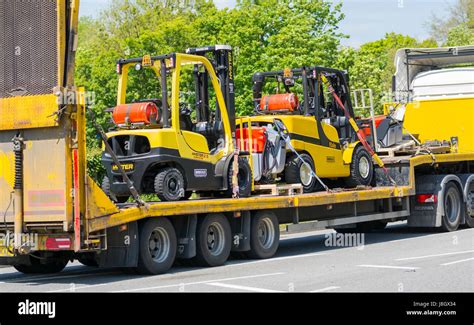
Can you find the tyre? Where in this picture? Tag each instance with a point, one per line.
(39, 266)
(470, 210)
(213, 240)
(169, 184)
(453, 207)
(157, 246)
(106, 188)
(264, 235)
(88, 260)
(296, 172)
(362, 168)
(244, 178)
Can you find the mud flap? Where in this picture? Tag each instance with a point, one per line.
(122, 247)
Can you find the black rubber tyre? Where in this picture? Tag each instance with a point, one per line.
(169, 184)
(40, 267)
(470, 209)
(106, 188)
(213, 240)
(454, 209)
(295, 168)
(264, 235)
(244, 178)
(362, 168)
(88, 260)
(158, 245)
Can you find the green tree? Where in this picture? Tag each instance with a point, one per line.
(371, 66)
(459, 14)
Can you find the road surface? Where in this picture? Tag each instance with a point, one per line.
(393, 260)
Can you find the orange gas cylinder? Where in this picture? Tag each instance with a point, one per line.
(146, 113)
(258, 139)
(279, 102)
(367, 128)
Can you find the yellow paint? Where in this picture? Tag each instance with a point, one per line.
(27, 112)
(329, 160)
(190, 145)
(442, 119)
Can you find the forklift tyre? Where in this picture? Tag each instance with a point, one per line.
(244, 177)
(362, 168)
(169, 184)
(298, 173)
(106, 188)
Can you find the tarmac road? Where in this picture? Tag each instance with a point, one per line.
(396, 259)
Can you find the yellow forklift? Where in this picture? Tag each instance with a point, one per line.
(183, 141)
(324, 142)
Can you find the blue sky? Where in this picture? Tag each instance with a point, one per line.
(366, 20)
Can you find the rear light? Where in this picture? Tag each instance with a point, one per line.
(279, 102)
(57, 243)
(427, 198)
(136, 113)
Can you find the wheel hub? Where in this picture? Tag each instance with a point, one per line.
(364, 167)
(305, 175)
(159, 245)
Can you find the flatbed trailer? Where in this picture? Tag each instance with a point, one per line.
(53, 212)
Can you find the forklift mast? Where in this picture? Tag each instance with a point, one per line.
(223, 61)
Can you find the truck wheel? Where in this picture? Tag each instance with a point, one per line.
(169, 185)
(244, 178)
(362, 168)
(36, 267)
(213, 239)
(453, 207)
(470, 209)
(298, 173)
(264, 235)
(157, 246)
(88, 260)
(106, 188)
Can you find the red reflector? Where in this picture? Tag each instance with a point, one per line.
(53, 243)
(427, 198)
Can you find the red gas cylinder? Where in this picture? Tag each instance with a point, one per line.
(279, 102)
(146, 113)
(258, 139)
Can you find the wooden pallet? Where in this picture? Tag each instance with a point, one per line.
(277, 190)
(400, 148)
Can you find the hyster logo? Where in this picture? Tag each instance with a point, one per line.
(37, 308)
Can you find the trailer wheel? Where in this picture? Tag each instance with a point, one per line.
(169, 185)
(298, 173)
(157, 246)
(470, 209)
(213, 240)
(88, 260)
(42, 266)
(453, 207)
(362, 168)
(264, 235)
(106, 188)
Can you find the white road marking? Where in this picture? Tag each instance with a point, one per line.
(273, 259)
(325, 289)
(434, 255)
(58, 277)
(460, 261)
(390, 267)
(201, 282)
(80, 287)
(238, 287)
